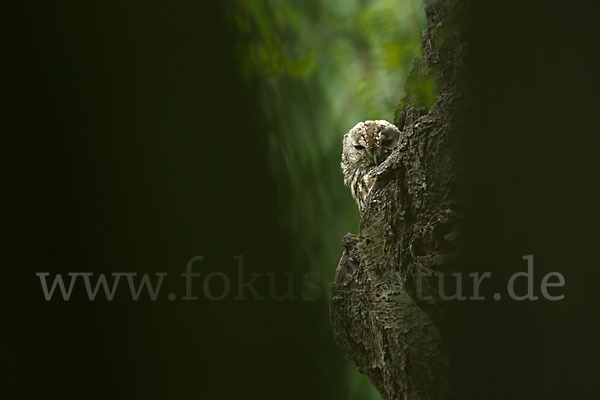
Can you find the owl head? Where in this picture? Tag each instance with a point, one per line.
(369, 143)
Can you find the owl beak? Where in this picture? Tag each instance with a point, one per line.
(375, 159)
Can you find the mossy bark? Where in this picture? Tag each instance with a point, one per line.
(412, 223)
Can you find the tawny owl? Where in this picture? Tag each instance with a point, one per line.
(365, 146)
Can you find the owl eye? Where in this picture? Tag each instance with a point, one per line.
(386, 142)
(359, 147)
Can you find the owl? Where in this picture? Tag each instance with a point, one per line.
(365, 146)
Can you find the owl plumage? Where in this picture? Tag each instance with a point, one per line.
(365, 146)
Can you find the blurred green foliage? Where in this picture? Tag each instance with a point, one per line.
(319, 67)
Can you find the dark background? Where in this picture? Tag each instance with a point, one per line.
(133, 145)
(532, 173)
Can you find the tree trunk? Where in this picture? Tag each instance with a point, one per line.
(412, 224)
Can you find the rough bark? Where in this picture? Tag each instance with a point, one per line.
(412, 223)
